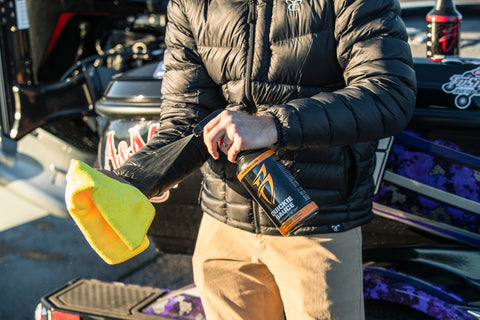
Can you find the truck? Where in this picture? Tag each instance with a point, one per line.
(81, 80)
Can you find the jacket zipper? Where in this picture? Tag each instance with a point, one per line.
(248, 88)
(251, 44)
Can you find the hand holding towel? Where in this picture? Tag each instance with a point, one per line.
(113, 216)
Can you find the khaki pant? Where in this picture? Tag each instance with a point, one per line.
(246, 276)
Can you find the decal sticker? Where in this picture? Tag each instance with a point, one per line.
(294, 5)
(115, 156)
(465, 86)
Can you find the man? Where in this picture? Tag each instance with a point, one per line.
(319, 81)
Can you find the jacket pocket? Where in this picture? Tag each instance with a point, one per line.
(351, 175)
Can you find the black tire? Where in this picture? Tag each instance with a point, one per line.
(383, 310)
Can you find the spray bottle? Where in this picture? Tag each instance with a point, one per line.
(443, 31)
(275, 189)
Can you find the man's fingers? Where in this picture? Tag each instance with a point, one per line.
(234, 131)
(212, 133)
(224, 144)
(234, 149)
(212, 140)
(212, 148)
(232, 154)
(212, 123)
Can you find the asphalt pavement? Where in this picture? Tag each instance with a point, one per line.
(40, 252)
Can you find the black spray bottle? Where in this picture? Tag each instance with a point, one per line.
(443, 31)
(275, 189)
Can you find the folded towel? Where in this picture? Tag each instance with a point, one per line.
(113, 216)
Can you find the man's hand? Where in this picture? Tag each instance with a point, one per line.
(235, 131)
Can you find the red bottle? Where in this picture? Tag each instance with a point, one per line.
(443, 31)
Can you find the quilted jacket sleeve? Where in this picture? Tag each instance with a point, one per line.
(188, 95)
(379, 97)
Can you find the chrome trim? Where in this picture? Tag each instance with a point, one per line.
(476, 314)
(18, 113)
(417, 4)
(462, 60)
(441, 229)
(3, 100)
(434, 193)
(383, 150)
(127, 109)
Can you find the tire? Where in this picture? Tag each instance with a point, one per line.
(384, 310)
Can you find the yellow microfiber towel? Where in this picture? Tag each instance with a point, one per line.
(113, 216)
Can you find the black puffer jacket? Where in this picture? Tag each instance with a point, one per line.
(336, 75)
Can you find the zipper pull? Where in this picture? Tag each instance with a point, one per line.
(251, 11)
